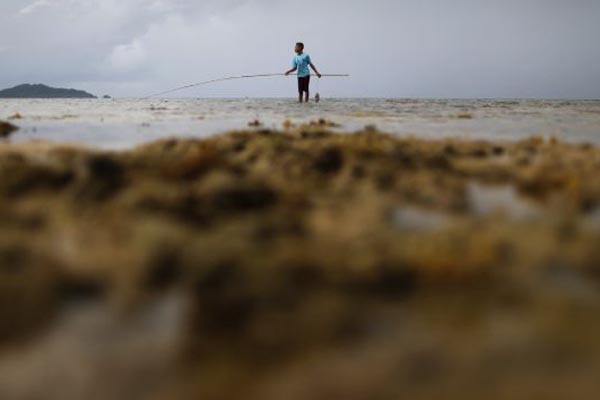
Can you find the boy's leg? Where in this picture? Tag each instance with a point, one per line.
(303, 85)
(306, 88)
(300, 89)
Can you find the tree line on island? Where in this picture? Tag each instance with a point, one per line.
(39, 91)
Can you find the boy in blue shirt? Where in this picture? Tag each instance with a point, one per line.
(301, 63)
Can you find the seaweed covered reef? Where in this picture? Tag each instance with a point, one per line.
(300, 264)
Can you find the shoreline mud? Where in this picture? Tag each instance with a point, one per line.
(298, 264)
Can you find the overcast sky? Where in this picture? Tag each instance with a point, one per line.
(392, 48)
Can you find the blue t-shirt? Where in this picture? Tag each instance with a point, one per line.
(301, 62)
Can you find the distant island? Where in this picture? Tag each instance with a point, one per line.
(43, 92)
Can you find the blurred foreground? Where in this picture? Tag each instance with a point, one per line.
(301, 264)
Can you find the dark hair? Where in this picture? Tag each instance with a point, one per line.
(301, 45)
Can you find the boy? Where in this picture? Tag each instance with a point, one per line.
(301, 63)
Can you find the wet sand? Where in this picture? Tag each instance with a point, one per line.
(117, 124)
(300, 264)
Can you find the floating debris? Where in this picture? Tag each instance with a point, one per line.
(464, 116)
(322, 122)
(6, 128)
(155, 108)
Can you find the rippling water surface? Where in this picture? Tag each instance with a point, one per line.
(123, 123)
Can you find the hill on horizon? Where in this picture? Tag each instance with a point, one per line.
(39, 91)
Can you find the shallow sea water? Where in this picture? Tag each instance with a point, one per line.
(124, 123)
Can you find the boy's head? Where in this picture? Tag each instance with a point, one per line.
(299, 47)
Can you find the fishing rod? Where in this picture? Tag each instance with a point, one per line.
(232, 78)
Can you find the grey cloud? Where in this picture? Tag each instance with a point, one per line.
(404, 48)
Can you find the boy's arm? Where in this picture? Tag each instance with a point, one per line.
(291, 70)
(315, 69)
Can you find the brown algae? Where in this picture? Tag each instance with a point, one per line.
(305, 264)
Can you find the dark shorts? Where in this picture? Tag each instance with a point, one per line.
(303, 84)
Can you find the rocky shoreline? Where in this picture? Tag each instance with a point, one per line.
(307, 264)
